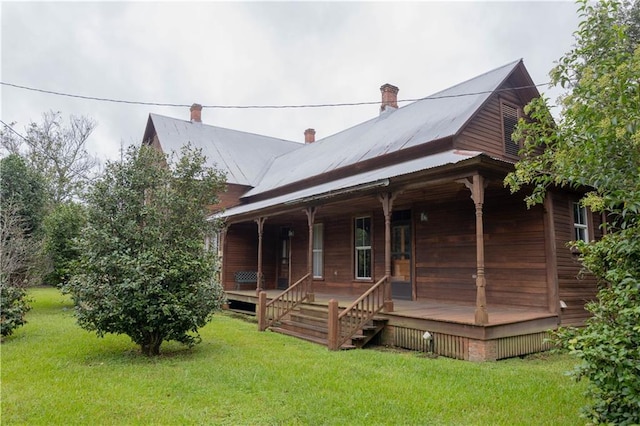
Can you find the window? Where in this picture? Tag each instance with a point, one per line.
(509, 122)
(318, 246)
(581, 231)
(212, 242)
(363, 247)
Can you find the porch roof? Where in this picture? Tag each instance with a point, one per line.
(354, 183)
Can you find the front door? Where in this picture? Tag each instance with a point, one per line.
(401, 255)
(284, 253)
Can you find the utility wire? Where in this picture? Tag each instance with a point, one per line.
(161, 104)
(13, 130)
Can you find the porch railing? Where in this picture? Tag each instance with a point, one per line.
(342, 326)
(273, 311)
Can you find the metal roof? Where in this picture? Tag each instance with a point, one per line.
(378, 177)
(244, 157)
(435, 117)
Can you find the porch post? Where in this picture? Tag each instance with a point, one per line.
(311, 214)
(260, 223)
(387, 207)
(477, 185)
(221, 251)
(553, 299)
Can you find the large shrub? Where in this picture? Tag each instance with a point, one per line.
(143, 270)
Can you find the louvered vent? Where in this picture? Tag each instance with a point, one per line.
(509, 121)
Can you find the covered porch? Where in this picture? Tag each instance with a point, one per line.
(451, 327)
(474, 279)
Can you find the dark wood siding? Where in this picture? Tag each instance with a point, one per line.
(515, 265)
(515, 256)
(484, 132)
(230, 197)
(446, 251)
(241, 252)
(574, 288)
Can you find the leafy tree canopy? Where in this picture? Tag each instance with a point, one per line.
(143, 270)
(58, 151)
(24, 187)
(62, 226)
(595, 144)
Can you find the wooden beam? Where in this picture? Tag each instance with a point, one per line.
(477, 184)
(311, 214)
(221, 251)
(260, 222)
(387, 208)
(551, 258)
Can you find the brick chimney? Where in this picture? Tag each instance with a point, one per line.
(309, 136)
(389, 96)
(196, 113)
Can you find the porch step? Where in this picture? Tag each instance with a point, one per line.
(304, 336)
(309, 322)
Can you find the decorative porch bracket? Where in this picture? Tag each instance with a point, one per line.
(260, 223)
(311, 214)
(387, 207)
(477, 185)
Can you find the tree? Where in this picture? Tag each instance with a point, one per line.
(16, 250)
(143, 269)
(596, 144)
(62, 226)
(57, 151)
(22, 205)
(24, 187)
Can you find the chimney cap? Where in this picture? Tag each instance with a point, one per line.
(389, 88)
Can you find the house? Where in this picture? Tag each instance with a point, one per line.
(399, 229)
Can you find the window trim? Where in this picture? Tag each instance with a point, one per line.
(357, 249)
(319, 250)
(577, 225)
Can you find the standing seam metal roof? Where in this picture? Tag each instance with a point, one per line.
(243, 157)
(432, 118)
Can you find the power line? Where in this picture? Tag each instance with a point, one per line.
(13, 130)
(344, 104)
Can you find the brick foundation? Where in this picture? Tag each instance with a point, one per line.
(482, 350)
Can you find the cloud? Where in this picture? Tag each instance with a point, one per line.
(240, 53)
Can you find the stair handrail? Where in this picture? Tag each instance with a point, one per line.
(360, 312)
(283, 303)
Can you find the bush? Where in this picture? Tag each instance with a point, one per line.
(609, 345)
(61, 227)
(13, 307)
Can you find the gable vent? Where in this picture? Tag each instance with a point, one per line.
(509, 122)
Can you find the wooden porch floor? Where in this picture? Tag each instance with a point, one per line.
(422, 310)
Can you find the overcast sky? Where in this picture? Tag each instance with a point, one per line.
(259, 53)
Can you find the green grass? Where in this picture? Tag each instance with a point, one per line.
(53, 372)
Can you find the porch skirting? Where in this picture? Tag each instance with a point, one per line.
(465, 348)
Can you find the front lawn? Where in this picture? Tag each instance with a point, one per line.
(53, 372)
